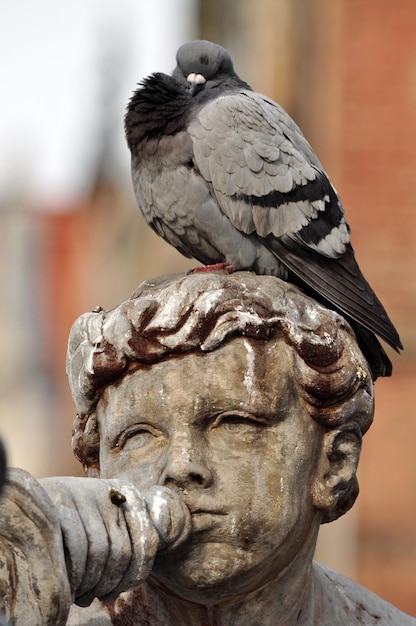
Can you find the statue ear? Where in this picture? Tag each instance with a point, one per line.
(335, 485)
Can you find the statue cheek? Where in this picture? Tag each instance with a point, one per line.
(143, 475)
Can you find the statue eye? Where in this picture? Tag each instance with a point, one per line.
(239, 424)
(137, 436)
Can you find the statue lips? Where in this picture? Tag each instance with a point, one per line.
(206, 517)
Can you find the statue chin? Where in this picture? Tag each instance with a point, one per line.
(214, 569)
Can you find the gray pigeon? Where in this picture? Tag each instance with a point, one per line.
(225, 175)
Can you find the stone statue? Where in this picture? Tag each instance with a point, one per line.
(219, 422)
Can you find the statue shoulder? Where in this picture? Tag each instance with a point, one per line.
(353, 603)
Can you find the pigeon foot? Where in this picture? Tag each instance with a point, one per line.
(215, 267)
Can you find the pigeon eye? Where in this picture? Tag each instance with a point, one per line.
(204, 59)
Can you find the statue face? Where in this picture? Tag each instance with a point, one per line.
(227, 430)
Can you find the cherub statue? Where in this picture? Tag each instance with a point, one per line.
(219, 421)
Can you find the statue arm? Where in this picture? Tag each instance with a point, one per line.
(67, 539)
(34, 586)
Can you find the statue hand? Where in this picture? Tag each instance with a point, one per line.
(112, 532)
(170, 516)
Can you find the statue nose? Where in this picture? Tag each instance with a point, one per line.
(186, 463)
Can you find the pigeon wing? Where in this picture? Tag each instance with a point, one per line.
(340, 283)
(268, 181)
(264, 174)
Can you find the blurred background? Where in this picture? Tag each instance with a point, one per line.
(72, 237)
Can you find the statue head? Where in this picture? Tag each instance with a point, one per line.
(239, 391)
(171, 316)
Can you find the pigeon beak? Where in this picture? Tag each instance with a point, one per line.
(196, 82)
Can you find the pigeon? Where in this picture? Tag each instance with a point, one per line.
(226, 176)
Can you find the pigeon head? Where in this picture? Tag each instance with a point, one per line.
(203, 65)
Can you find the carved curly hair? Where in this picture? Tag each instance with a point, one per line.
(178, 313)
